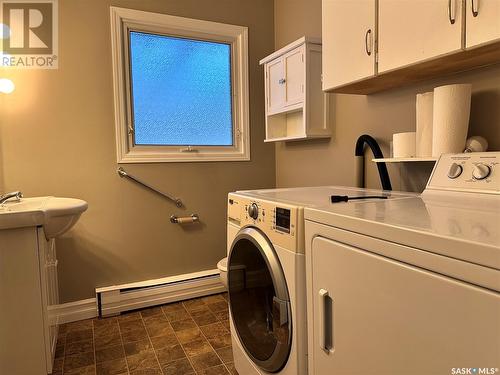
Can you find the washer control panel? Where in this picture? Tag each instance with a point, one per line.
(474, 172)
(278, 221)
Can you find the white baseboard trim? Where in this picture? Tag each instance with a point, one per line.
(74, 311)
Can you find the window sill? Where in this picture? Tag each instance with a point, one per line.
(180, 157)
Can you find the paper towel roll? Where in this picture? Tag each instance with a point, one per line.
(424, 124)
(403, 145)
(450, 120)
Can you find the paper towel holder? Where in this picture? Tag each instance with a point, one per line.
(193, 218)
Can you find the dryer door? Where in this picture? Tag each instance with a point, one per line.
(259, 300)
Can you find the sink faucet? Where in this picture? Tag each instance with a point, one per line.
(17, 195)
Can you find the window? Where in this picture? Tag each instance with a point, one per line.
(181, 91)
(181, 88)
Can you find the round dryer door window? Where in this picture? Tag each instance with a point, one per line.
(259, 300)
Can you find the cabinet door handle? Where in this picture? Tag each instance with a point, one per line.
(368, 43)
(282, 81)
(474, 5)
(451, 11)
(324, 324)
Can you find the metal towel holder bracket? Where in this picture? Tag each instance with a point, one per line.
(123, 173)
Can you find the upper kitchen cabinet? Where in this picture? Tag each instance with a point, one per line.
(349, 30)
(371, 46)
(296, 107)
(483, 22)
(410, 31)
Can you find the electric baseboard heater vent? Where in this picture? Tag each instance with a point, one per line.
(113, 300)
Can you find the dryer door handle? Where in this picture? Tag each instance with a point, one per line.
(325, 310)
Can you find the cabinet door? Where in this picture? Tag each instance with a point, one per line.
(348, 32)
(49, 296)
(410, 31)
(373, 315)
(275, 84)
(483, 21)
(294, 76)
(22, 337)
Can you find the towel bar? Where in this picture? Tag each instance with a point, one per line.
(123, 173)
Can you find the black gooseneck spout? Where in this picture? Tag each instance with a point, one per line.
(360, 161)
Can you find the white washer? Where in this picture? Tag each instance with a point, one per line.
(409, 286)
(266, 277)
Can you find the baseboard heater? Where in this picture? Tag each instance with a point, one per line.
(113, 300)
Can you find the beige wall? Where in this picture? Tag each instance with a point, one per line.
(57, 138)
(380, 115)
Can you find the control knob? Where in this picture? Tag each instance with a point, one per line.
(481, 171)
(253, 211)
(455, 171)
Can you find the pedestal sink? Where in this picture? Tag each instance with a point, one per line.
(56, 215)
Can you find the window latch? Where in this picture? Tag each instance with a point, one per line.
(189, 149)
(130, 130)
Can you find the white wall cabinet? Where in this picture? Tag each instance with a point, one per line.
(483, 22)
(28, 289)
(348, 32)
(296, 107)
(411, 31)
(370, 46)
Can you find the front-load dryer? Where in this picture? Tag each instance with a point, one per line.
(409, 286)
(266, 277)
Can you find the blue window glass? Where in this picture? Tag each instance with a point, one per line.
(181, 91)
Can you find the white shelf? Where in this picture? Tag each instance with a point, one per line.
(296, 138)
(404, 160)
(296, 107)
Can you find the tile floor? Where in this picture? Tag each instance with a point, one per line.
(190, 337)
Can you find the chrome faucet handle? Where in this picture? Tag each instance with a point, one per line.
(17, 195)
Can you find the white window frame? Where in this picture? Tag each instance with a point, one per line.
(125, 20)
